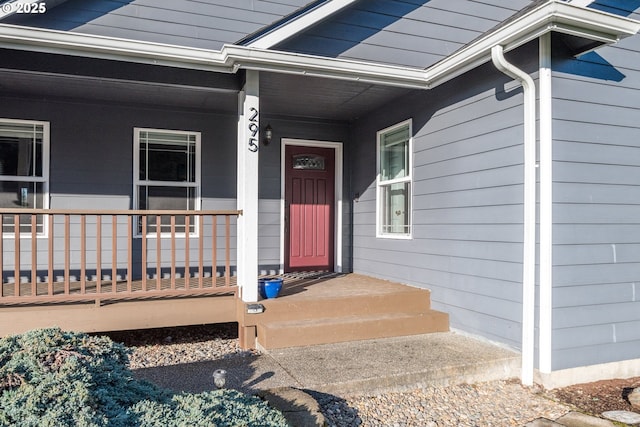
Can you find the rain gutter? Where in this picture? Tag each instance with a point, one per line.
(529, 238)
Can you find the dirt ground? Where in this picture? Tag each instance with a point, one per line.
(597, 397)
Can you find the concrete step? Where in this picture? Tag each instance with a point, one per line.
(303, 332)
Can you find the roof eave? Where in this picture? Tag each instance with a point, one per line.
(229, 59)
(555, 16)
(551, 16)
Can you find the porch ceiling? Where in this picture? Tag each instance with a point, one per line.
(73, 88)
(281, 94)
(315, 97)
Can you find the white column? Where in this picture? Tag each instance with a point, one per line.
(248, 147)
(546, 206)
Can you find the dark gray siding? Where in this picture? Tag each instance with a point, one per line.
(92, 163)
(467, 202)
(596, 194)
(203, 24)
(415, 33)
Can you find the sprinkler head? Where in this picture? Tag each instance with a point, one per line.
(219, 377)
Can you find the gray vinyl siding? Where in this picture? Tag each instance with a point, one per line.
(201, 24)
(91, 167)
(467, 202)
(596, 195)
(414, 33)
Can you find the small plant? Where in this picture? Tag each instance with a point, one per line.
(49, 377)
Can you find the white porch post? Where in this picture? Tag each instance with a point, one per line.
(248, 146)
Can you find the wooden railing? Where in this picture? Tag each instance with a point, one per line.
(53, 255)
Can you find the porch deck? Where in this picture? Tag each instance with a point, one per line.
(313, 308)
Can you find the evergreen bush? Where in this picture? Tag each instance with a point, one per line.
(49, 377)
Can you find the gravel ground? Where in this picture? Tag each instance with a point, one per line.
(497, 403)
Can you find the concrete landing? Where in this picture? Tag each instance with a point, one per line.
(358, 367)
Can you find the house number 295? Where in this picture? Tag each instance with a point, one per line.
(254, 129)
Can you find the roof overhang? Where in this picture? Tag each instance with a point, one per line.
(593, 26)
(229, 59)
(590, 24)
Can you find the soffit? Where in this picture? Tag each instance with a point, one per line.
(280, 94)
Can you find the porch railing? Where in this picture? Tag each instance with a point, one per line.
(53, 255)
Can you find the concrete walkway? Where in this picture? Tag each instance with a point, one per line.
(360, 367)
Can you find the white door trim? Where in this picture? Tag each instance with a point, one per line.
(337, 235)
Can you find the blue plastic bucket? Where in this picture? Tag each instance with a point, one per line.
(272, 287)
(261, 287)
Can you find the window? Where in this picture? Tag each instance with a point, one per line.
(394, 181)
(24, 171)
(166, 175)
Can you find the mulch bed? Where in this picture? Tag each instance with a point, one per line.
(599, 396)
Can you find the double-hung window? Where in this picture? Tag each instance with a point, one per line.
(394, 181)
(166, 175)
(24, 171)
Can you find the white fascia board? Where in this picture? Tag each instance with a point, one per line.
(552, 16)
(309, 65)
(229, 59)
(300, 23)
(93, 46)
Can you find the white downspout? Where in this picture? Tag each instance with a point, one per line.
(529, 239)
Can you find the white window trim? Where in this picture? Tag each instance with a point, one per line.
(379, 183)
(137, 181)
(44, 179)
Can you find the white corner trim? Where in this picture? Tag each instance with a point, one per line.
(338, 196)
(299, 23)
(546, 206)
(529, 220)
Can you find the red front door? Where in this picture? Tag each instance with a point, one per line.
(309, 208)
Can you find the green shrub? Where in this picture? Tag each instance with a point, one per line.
(53, 378)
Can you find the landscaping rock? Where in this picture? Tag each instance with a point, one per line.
(543, 422)
(626, 417)
(577, 419)
(298, 407)
(634, 398)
